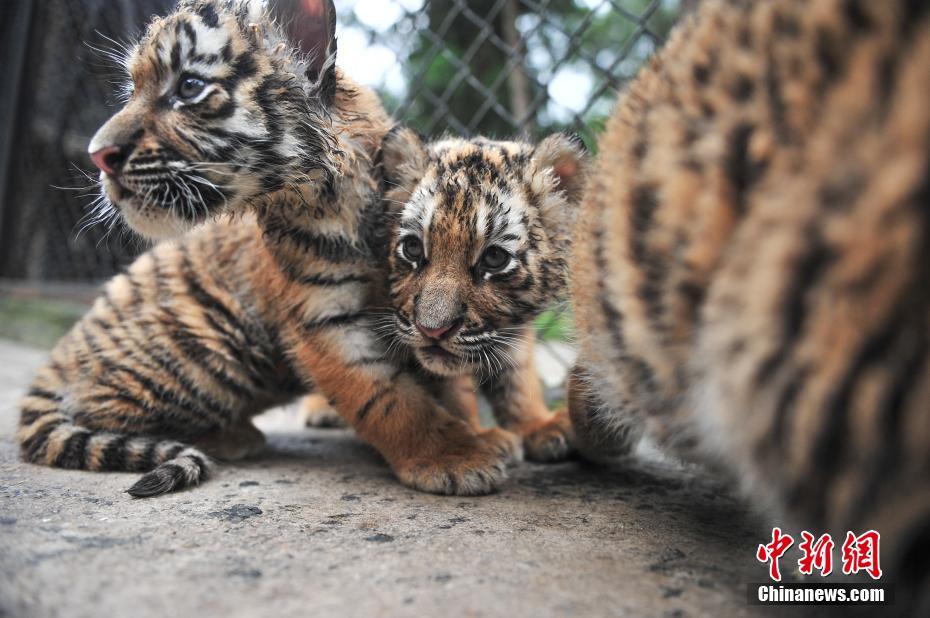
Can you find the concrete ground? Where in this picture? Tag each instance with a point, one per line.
(317, 526)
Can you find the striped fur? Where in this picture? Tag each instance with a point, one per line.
(208, 330)
(459, 201)
(751, 270)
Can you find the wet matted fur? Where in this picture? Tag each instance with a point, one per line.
(479, 250)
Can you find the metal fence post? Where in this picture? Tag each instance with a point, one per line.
(15, 28)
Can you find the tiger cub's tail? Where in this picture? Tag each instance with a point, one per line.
(49, 436)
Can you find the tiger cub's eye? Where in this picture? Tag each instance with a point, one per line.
(190, 87)
(412, 248)
(494, 259)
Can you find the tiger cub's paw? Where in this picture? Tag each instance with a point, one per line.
(477, 466)
(315, 411)
(549, 440)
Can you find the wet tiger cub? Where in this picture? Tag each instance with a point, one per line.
(479, 249)
(225, 116)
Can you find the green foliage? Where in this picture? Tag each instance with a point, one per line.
(554, 325)
(459, 68)
(37, 322)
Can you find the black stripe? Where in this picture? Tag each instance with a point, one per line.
(389, 408)
(641, 374)
(856, 16)
(72, 455)
(739, 167)
(191, 35)
(326, 281)
(912, 16)
(113, 458)
(644, 203)
(176, 57)
(42, 393)
(148, 457)
(743, 88)
(701, 74)
(28, 417)
(778, 110)
(208, 15)
(827, 52)
(365, 409)
(331, 248)
(333, 321)
(808, 269)
(35, 445)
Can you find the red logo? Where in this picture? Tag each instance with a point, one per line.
(817, 554)
(773, 551)
(860, 553)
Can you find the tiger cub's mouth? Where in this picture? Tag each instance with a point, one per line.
(439, 360)
(437, 351)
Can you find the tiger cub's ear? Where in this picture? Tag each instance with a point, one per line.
(310, 26)
(404, 159)
(564, 159)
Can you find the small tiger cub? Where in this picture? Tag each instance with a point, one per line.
(479, 250)
(751, 272)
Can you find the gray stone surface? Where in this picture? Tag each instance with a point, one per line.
(317, 526)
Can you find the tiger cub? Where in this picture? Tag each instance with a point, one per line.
(479, 250)
(751, 271)
(225, 116)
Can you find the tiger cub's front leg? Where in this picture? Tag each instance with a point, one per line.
(456, 394)
(516, 397)
(427, 447)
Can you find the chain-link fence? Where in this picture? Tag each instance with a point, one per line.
(497, 67)
(63, 92)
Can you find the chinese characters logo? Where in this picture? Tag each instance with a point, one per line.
(859, 553)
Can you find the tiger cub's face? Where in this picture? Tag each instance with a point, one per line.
(479, 243)
(219, 110)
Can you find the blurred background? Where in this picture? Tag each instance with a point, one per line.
(494, 67)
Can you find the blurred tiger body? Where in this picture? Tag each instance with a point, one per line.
(206, 331)
(751, 270)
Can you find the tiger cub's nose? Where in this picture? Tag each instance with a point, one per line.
(109, 160)
(441, 332)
